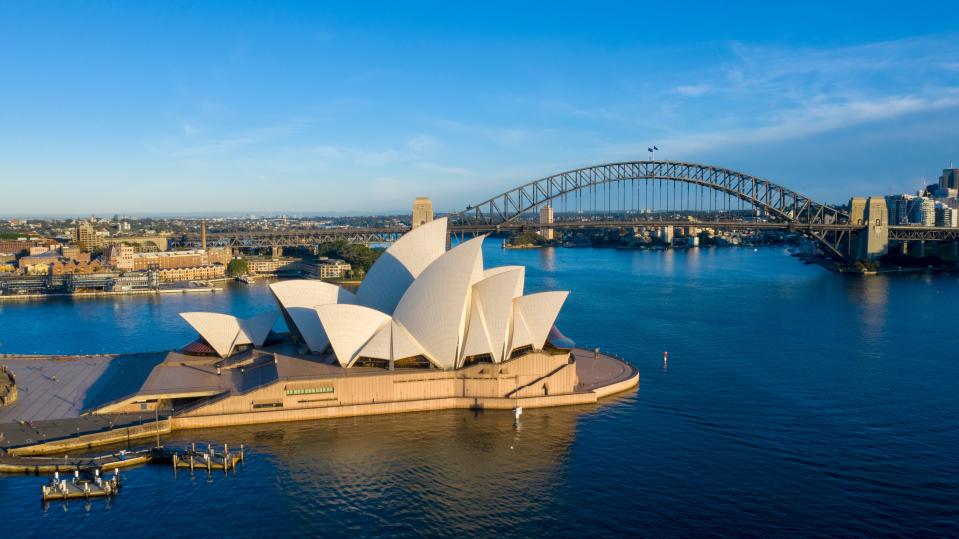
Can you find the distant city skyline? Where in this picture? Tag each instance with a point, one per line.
(301, 108)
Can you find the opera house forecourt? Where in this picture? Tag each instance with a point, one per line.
(427, 329)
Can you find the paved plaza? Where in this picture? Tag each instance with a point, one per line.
(57, 388)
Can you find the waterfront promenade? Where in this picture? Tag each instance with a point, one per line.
(53, 423)
(59, 387)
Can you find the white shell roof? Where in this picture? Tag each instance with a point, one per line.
(380, 346)
(477, 336)
(391, 342)
(224, 332)
(538, 312)
(349, 328)
(434, 307)
(396, 269)
(257, 328)
(298, 299)
(521, 335)
(521, 280)
(404, 345)
(493, 301)
(309, 293)
(419, 299)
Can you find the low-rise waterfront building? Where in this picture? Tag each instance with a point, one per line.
(22, 246)
(137, 280)
(52, 262)
(180, 259)
(145, 243)
(324, 268)
(119, 256)
(193, 273)
(65, 266)
(270, 266)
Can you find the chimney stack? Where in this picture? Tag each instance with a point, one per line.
(203, 235)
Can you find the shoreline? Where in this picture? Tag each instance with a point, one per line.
(205, 289)
(591, 376)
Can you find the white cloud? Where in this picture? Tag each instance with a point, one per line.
(194, 147)
(445, 169)
(421, 144)
(692, 90)
(413, 149)
(800, 122)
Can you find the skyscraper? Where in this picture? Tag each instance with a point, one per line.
(949, 178)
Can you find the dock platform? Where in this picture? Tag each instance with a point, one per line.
(44, 465)
(210, 460)
(81, 487)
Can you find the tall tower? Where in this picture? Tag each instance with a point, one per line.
(872, 241)
(546, 218)
(422, 211)
(203, 235)
(949, 178)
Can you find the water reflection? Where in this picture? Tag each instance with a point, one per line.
(547, 259)
(871, 296)
(455, 470)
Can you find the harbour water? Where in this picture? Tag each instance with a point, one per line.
(795, 401)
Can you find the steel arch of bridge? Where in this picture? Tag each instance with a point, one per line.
(778, 202)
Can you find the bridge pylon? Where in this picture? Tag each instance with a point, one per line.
(872, 241)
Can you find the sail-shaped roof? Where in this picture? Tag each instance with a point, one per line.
(396, 269)
(538, 312)
(224, 332)
(434, 307)
(298, 299)
(493, 300)
(417, 300)
(349, 328)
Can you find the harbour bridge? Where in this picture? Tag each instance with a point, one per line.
(631, 194)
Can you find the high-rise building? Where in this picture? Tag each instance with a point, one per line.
(949, 178)
(422, 211)
(928, 212)
(900, 209)
(946, 216)
(85, 236)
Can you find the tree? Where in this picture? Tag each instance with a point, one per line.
(237, 266)
(527, 238)
(361, 257)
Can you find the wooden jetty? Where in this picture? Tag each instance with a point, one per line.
(209, 459)
(38, 465)
(189, 457)
(89, 486)
(88, 482)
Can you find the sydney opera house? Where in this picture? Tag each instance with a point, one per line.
(428, 328)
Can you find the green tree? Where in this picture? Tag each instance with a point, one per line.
(527, 237)
(361, 257)
(237, 266)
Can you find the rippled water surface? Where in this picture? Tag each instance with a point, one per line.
(795, 401)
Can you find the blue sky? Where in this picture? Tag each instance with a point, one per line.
(159, 107)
